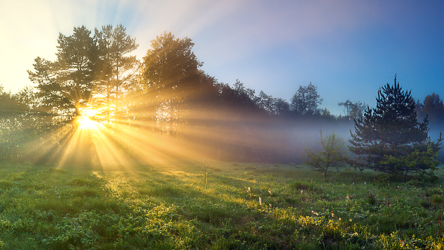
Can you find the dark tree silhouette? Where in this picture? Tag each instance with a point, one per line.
(433, 107)
(390, 139)
(170, 74)
(306, 100)
(65, 86)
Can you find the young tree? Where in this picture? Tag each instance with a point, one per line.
(306, 100)
(389, 134)
(321, 161)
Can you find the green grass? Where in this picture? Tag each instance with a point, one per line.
(242, 206)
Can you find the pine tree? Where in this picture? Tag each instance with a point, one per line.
(390, 139)
(65, 85)
(116, 68)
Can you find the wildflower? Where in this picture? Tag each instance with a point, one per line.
(339, 218)
(350, 220)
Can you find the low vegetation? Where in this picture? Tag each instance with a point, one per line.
(237, 206)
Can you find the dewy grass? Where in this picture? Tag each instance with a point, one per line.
(173, 208)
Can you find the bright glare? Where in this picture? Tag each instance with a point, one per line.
(86, 123)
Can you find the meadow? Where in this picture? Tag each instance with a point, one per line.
(216, 206)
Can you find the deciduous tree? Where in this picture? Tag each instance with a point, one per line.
(331, 154)
(306, 100)
(171, 76)
(353, 110)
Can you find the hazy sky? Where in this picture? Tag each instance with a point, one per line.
(346, 48)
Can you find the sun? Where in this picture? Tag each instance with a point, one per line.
(85, 121)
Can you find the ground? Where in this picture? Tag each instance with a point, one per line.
(216, 205)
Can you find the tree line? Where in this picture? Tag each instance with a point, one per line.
(164, 94)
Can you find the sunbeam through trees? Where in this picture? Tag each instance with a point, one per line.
(97, 104)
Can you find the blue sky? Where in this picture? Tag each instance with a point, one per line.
(347, 48)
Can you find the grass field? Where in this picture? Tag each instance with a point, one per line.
(222, 206)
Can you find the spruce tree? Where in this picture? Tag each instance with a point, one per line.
(390, 139)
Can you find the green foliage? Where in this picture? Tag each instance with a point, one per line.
(321, 161)
(390, 139)
(416, 161)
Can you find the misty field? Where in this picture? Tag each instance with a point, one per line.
(216, 206)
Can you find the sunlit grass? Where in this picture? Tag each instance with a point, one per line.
(171, 207)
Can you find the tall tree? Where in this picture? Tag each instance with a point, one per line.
(10, 105)
(14, 126)
(117, 68)
(390, 133)
(353, 110)
(282, 107)
(433, 107)
(65, 86)
(171, 76)
(306, 100)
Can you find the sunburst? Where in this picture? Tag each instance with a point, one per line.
(85, 121)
